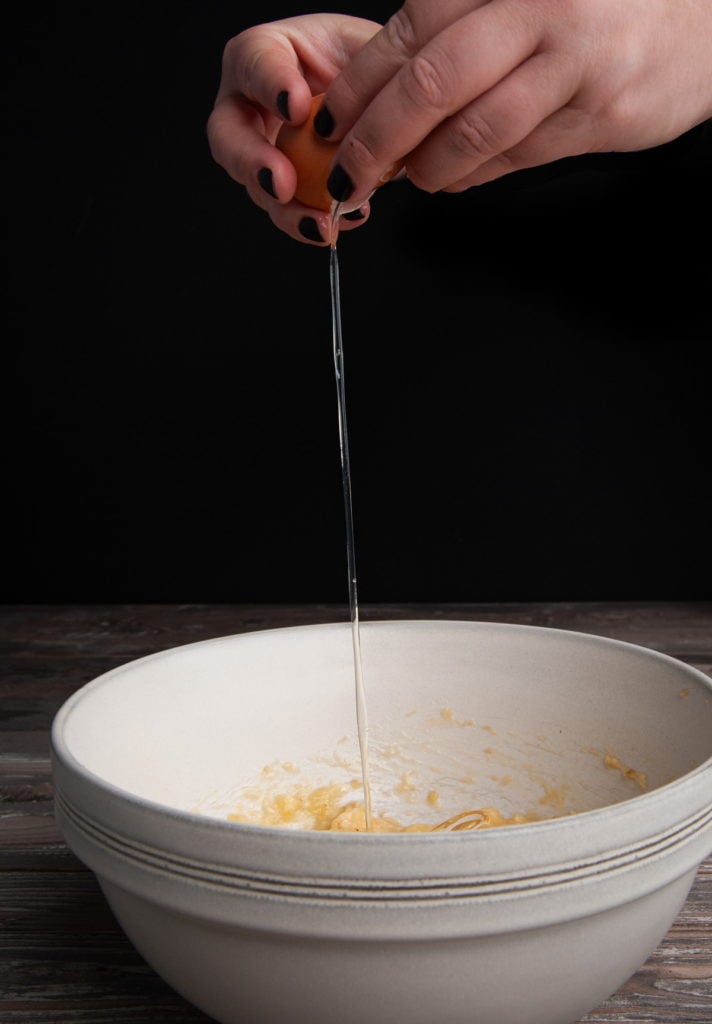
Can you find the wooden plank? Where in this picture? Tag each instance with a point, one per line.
(77, 631)
(63, 958)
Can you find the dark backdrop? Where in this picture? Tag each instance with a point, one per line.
(526, 363)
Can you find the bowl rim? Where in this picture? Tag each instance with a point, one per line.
(62, 755)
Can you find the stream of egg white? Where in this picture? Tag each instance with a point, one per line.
(361, 716)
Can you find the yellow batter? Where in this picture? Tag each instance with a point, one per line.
(323, 810)
(328, 808)
(640, 778)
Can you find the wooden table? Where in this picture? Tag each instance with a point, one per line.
(63, 958)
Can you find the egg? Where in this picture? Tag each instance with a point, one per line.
(312, 157)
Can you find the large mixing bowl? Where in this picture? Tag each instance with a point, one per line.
(535, 922)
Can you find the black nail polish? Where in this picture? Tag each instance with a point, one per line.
(310, 229)
(339, 184)
(283, 104)
(264, 176)
(354, 215)
(323, 122)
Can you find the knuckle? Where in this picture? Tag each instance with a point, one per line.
(473, 136)
(418, 176)
(618, 116)
(232, 56)
(241, 58)
(580, 120)
(361, 153)
(505, 163)
(240, 44)
(401, 31)
(426, 82)
(215, 136)
(231, 49)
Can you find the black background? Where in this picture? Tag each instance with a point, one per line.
(526, 363)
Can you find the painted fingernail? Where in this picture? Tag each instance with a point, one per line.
(323, 122)
(354, 215)
(339, 184)
(264, 176)
(309, 228)
(283, 104)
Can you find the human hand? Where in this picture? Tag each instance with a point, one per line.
(269, 74)
(468, 90)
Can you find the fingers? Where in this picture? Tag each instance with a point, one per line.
(308, 225)
(240, 147)
(262, 66)
(402, 37)
(238, 142)
(566, 133)
(463, 90)
(261, 83)
(269, 74)
(462, 62)
(304, 223)
(495, 123)
(261, 86)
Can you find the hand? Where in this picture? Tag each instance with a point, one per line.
(469, 90)
(269, 74)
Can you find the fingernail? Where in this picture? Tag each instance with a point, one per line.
(339, 184)
(264, 176)
(323, 122)
(309, 228)
(283, 104)
(354, 215)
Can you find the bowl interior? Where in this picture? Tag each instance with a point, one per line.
(530, 720)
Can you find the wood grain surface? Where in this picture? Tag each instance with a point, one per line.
(63, 958)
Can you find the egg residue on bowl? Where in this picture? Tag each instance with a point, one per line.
(437, 793)
(326, 809)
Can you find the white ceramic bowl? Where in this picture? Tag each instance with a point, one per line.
(537, 922)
